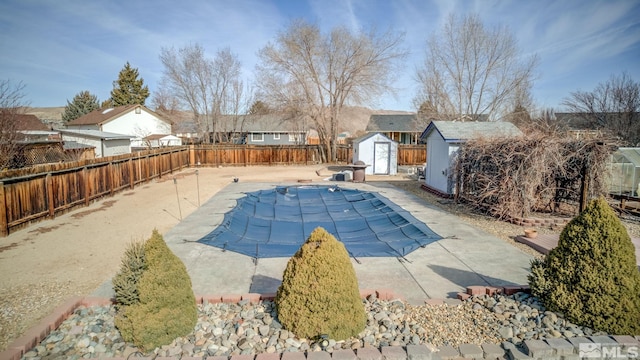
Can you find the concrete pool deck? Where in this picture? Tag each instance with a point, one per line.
(465, 256)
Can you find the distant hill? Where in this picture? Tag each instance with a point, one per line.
(353, 119)
(50, 116)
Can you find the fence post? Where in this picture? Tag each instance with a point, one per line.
(132, 179)
(4, 226)
(146, 169)
(192, 155)
(87, 191)
(50, 198)
(110, 177)
(170, 162)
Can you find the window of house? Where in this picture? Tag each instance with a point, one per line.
(294, 138)
(257, 137)
(276, 136)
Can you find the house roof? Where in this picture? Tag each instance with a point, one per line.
(96, 134)
(456, 131)
(26, 122)
(368, 136)
(393, 122)
(101, 116)
(266, 123)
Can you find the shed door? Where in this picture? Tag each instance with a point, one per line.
(382, 154)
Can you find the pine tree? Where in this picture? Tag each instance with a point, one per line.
(128, 89)
(83, 103)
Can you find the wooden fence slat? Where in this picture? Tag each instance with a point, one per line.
(50, 195)
(87, 189)
(4, 226)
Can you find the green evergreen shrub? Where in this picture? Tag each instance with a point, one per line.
(319, 293)
(125, 283)
(591, 276)
(167, 307)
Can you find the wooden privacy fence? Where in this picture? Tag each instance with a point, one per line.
(44, 191)
(412, 154)
(56, 188)
(232, 155)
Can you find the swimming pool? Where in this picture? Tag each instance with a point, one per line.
(275, 223)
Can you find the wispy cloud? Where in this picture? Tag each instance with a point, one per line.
(61, 48)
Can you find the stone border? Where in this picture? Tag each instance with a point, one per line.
(555, 348)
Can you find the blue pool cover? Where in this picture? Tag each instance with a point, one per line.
(276, 222)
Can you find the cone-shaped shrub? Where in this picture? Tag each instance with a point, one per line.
(591, 276)
(319, 292)
(166, 307)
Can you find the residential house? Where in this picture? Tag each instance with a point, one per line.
(272, 129)
(401, 128)
(134, 120)
(443, 138)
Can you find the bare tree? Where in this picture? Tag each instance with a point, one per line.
(201, 84)
(613, 106)
(12, 104)
(164, 101)
(471, 70)
(314, 75)
(225, 85)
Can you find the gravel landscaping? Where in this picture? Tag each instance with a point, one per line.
(246, 328)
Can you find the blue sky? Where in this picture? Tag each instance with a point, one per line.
(59, 48)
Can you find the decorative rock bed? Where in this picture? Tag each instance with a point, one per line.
(481, 323)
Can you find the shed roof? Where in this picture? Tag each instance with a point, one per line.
(73, 145)
(96, 134)
(455, 131)
(368, 136)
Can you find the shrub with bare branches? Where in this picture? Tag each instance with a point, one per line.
(515, 177)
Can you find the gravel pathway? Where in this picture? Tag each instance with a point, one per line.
(245, 328)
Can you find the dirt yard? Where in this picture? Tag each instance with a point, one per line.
(48, 262)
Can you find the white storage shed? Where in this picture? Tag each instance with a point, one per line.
(443, 139)
(378, 152)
